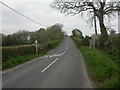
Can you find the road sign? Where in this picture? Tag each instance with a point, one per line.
(36, 42)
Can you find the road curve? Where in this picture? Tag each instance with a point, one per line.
(61, 68)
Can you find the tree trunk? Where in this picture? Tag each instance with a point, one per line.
(104, 35)
(95, 24)
(103, 30)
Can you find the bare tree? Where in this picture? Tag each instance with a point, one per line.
(99, 8)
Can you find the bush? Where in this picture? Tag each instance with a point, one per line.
(113, 48)
(48, 46)
(114, 54)
(111, 83)
(101, 67)
(77, 40)
(18, 60)
(13, 51)
(115, 42)
(13, 56)
(85, 41)
(53, 44)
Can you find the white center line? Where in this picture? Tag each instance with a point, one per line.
(49, 65)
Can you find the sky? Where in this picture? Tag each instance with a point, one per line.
(40, 11)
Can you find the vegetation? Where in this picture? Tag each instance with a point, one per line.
(103, 70)
(19, 47)
(77, 33)
(98, 10)
(23, 37)
(112, 48)
(14, 51)
(108, 46)
(45, 47)
(15, 55)
(85, 41)
(12, 62)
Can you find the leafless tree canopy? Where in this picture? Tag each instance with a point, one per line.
(99, 8)
(78, 6)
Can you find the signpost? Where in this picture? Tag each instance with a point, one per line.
(36, 44)
(93, 40)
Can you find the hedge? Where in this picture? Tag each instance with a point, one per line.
(8, 52)
(22, 50)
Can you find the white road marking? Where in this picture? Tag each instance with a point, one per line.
(57, 55)
(51, 55)
(49, 65)
(42, 57)
(66, 48)
(45, 56)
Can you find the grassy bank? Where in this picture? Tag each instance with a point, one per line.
(102, 69)
(12, 62)
(15, 55)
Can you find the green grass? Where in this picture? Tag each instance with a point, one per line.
(102, 69)
(12, 62)
(110, 83)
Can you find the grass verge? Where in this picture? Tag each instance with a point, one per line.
(102, 69)
(14, 61)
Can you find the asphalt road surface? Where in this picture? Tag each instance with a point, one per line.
(63, 67)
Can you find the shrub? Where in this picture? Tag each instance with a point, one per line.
(13, 51)
(113, 48)
(52, 44)
(101, 67)
(18, 60)
(13, 56)
(86, 41)
(115, 42)
(77, 40)
(111, 83)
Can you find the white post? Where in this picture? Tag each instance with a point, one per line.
(36, 44)
(36, 48)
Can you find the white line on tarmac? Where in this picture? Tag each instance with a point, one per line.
(49, 65)
(66, 48)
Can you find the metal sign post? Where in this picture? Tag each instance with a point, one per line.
(36, 44)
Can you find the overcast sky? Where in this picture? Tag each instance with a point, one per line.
(40, 11)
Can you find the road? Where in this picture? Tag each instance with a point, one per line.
(63, 67)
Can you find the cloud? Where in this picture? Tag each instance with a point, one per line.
(41, 12)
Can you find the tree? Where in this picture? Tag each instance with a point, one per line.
(21, 37)
(41, 35)
(112, 32)
(55, 32)
(73, 32)
(100, 9)
(2, 39)
(85, 41)
(77, 33)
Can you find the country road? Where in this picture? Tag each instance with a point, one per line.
(63, 67)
